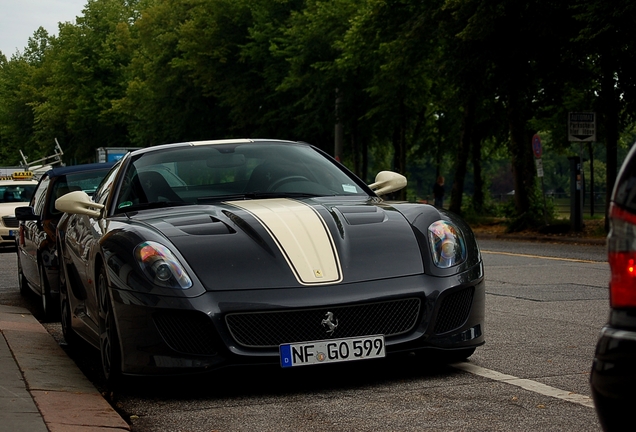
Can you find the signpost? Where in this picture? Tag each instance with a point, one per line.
(537, 149)
(576, 202)
(581, 128)
(536, 146)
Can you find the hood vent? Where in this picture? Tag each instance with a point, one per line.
(201, 225)
(362, 215)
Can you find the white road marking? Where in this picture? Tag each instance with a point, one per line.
(541, 256)
(526, 384)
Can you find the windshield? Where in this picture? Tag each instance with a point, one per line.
(204, 173)
(16, 193)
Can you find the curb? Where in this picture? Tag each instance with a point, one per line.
(65, 399)
(542, 238)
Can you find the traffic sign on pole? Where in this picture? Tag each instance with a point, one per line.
(537, 149)
(582, 126)
(539, 164)
(536, 146)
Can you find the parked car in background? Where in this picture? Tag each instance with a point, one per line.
(14, 192)
(264, 251)
(38, 265)
(613, 377)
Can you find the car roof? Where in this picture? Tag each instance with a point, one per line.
(60, 171)
(17, 182)
(214, 142)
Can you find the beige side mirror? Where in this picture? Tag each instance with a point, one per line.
(78, 202)
(387, 182)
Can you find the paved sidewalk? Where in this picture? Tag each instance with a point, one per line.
(41, 388)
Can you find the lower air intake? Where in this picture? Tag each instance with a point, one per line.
(270, 329)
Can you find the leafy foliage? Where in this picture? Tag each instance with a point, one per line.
(444, 87)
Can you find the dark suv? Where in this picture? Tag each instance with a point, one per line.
(38, 266)
(613, 377)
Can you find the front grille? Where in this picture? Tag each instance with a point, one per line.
(454, 310)
(187, 332)
(10, 222)
(270, 329)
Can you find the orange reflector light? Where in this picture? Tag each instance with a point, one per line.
(147, 252)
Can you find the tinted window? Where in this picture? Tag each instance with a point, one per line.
(101, 194)
(16, 193)
(84, 181)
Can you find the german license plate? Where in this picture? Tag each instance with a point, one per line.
(332, 351)
(12, 233)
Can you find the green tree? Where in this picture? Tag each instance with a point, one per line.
(522, 43)
(384, 37)
(607, 37)
(85, 68)
(20, 81)
(163, 102)
(226, 47)
(324, 90)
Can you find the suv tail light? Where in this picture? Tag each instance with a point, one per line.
(621, 248)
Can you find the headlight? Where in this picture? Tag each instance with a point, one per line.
(161, 266)
(447, 244)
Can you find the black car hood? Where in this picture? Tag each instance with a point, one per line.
(278, 243)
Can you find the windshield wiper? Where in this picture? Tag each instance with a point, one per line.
(254, 195)
(153, 205)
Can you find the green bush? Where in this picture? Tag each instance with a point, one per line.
(491, 209)
(541, 213)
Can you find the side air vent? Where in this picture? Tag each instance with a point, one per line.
(454, 310)
(187, 332)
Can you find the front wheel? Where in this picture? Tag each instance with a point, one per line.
(49, 308)
(459, 355)
(69, 334)
(108, 338)
(22, 282)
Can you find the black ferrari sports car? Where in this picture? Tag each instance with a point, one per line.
(198, 255)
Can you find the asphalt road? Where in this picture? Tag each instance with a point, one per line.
(545, 306)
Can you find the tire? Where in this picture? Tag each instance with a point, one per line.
(22, 282)
(613, 414)
(108, 339)
(462, 354)
(50, 310)
(69, 334)
(458, 355)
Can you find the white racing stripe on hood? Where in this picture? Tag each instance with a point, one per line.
(301, 235)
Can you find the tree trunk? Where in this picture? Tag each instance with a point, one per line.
(463, 152)
(365, 160)
(355, 148)
(478, 194)
(521, 154)
(399, 150)
(610, 121)
(339, 128)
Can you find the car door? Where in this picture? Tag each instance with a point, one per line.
(82, 240)
(30, 232)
